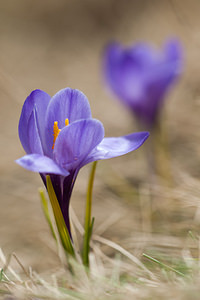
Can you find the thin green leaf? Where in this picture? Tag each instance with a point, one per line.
(91, 228)
(88, 223)
(193, 236)
(62, 229)
(163, 265)
(1, 275)
(45, 208)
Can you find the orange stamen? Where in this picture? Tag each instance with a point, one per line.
(56, 130)
(66, 122)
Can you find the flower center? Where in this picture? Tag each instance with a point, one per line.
(56, 130)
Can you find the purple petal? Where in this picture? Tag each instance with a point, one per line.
(162, 77)
(141, 76)
(37, 101)
(33, 135)
(124, 71)
(117, 146)
(41, 164)
(112, 57)
(76, 141)
(144, 54)
(66, 104)
(169, 67)
(173, 51)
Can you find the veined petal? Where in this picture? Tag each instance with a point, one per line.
(68, 104)
(33, 135)
(117, 146)
(41, 164)
(37, 101)
(76, 141)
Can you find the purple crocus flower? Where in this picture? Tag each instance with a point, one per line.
(60, 136)
(141, 76)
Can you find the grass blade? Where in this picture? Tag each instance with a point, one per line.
(163, 265)
(88, 222)
(46, 211)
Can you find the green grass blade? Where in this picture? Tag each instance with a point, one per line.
(163, 265)
(62, 229)
(88, 223)
(91, 228)
(45, 208)
(1, 275)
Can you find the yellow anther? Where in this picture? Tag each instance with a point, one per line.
(66, 122)
(56, 130)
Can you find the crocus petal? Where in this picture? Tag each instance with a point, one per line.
(76, 141)
(41, 164)
(166, 70)
(112, 58)
(37, 101)
(160, 79)
(123, 71)
(145, 55)
(33, 135)
(117, 146)
(141, 76)
(68, 104)
(173, 51)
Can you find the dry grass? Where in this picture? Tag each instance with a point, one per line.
(149, 264)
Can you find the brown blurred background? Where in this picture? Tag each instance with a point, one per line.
(52, 44)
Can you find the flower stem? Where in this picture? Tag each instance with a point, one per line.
(60, 223)
(161, 153)
(88, 222)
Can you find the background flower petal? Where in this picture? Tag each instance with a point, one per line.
(117, 146)
(37, 101)
(41, 164)
(67, 103)
(160, 79)
(76, 141)
(141, 76)
(173, 52)
(124, 70)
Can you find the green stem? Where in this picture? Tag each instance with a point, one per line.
(88, 222)
(162, 154)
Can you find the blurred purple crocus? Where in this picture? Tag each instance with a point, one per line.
(140, 76)
(60, 136)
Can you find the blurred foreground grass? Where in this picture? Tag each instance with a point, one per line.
(159, 261)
